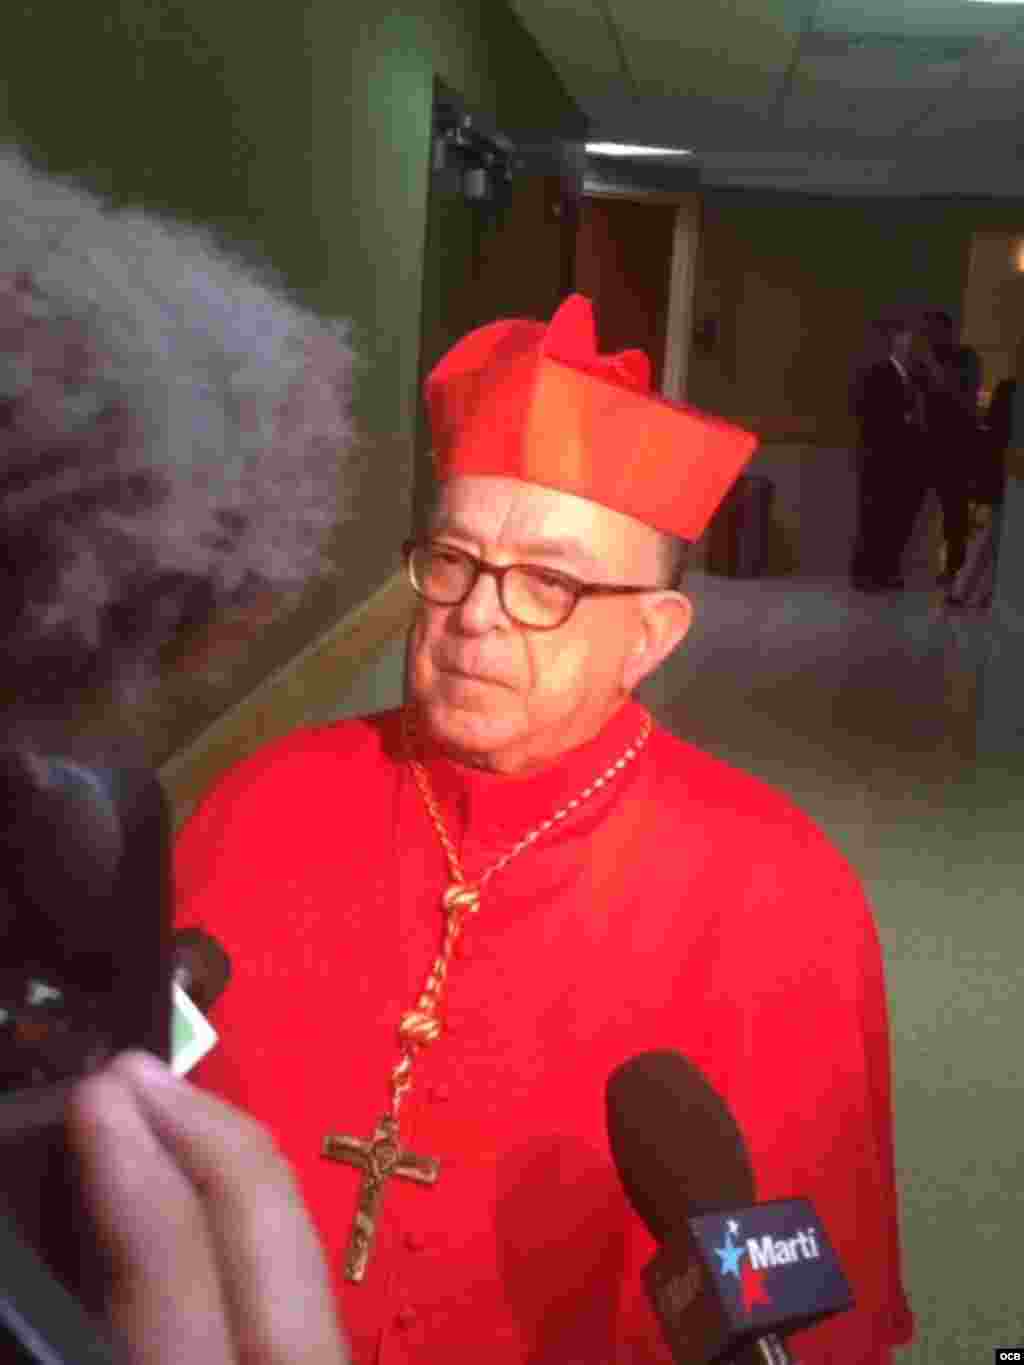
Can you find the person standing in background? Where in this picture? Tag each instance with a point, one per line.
(889, 405)
(989, 481)
(950, 375)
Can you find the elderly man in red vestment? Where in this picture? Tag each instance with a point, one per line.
(450, 922)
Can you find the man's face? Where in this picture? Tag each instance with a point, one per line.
(502, 696)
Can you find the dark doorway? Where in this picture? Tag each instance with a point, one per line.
(624, 263)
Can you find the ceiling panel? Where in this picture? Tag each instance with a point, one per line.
(867, 72)
(597, 92)
(815, 93)
(991, 94)
(922, 18)
(737, 50)
(573, 34)
(867, 69)
(1003, 68)
(687, 121)
(978, 123)
(871, 102)
(894, 177)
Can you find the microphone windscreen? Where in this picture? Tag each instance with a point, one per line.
(677, 1148)
(200, 966)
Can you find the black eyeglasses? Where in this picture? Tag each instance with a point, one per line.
(542, 599)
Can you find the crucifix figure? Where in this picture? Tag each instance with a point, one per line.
(378, 1159)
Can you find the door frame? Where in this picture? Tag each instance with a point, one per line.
(682, 277)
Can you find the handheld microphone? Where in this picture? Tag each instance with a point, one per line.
(730, 1275)
(200, 966)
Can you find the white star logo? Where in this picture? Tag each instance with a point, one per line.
(734, 1227)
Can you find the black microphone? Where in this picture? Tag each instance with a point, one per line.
(730, 1274)
(200, 966)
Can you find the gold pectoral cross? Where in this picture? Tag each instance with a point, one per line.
(379, 1158)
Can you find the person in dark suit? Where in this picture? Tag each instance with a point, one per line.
(989, 486)
(950, 375)
(990, 472)
(889, 405)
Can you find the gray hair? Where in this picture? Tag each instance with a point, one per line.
(173, 432)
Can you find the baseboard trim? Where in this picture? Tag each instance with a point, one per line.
(311, 682)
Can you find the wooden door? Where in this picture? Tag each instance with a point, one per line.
(624, 253)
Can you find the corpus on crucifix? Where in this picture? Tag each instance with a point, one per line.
(379, 1158)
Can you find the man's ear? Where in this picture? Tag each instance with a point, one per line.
(663, 619)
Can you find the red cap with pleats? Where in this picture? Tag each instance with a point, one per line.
(537, 402)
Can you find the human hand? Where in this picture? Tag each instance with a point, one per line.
(214, 1257)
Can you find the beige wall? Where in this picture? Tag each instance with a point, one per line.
(791, 282)
(993, 321)
(786, 286)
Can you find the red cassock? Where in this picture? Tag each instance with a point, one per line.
(685, 905)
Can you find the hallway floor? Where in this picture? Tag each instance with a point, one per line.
(863, 710)
(841, 699)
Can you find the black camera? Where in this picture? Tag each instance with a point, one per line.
(85, 910)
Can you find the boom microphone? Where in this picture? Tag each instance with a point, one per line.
(729, 1274)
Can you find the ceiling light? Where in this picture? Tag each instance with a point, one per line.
(624, 149)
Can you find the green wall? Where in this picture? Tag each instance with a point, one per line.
(302, 131)
(301, 128)
(373, 94)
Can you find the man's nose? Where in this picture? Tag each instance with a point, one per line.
(482, 609)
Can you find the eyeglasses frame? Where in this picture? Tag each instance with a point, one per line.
(480, 566)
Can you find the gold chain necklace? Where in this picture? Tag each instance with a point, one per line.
(382, 1155)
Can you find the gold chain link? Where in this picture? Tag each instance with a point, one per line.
(422, 1025)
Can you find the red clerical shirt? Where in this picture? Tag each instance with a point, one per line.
(685, 905)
